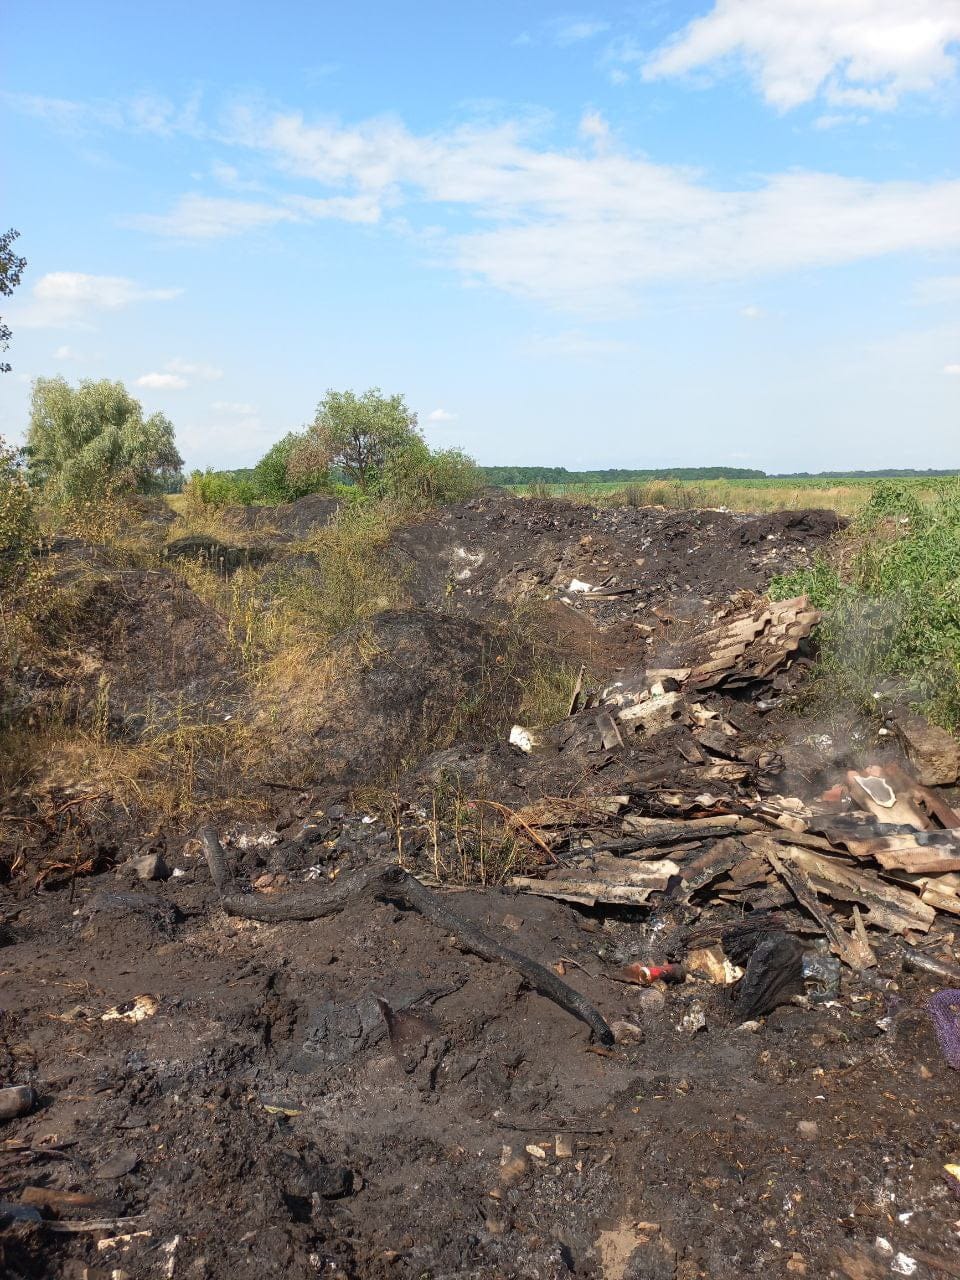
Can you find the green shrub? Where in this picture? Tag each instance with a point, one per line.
(19, 528)
(275, 481)
(894, 610)
(417, 477)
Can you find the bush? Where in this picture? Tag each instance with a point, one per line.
(19, 529)
(417, 477)
(84, 439)
(275, 481)
(893, 611)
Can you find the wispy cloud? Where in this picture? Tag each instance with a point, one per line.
(194, 369)
(563, 31)
(859, 54)
(441, 415)
(65, 353)
(71, 299)
(161, 382)
(952, 370)
(580, 229)
(753, 312)
(585, 227)
(567, 31)
(233, 408)
(196, 217)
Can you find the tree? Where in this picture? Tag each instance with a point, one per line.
(93, 438)
(11, 269)
(355, 435)
(272, 476)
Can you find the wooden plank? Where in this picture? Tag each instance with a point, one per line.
(855, 952)
(655, 831)
(891, 908)
(633, 886)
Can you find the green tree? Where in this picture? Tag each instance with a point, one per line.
(11, 269)
(275, 481)
(93, 438)
(354, 436)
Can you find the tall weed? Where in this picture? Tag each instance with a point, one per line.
(892, 606)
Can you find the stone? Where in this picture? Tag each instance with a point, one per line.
(149, 866)
(934, 753)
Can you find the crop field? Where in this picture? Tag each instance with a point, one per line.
(846, 496)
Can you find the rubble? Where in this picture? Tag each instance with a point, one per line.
(934, 753)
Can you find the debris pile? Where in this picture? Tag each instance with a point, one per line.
(879, 847)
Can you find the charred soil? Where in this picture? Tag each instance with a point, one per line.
(364, 1095)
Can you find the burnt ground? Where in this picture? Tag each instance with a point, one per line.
(243, 1111)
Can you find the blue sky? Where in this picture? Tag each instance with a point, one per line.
(639, 235)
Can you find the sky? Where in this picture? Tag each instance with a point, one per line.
(701, 232)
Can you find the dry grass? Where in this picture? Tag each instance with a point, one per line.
(847, 498)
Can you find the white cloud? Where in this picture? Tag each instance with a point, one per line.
(191, 369)
(581, 228)
(229, 175)
(67, 299)
(753, 312)
(196, 217)
(856, 53)
(441, 415)
(65, 353)
(161, 382)
(952, 370)
(567, 31)
(232, 408)
(586, 227)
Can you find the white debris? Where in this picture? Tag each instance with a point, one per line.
(904, 1265)
(522, 738)
(135, 1010)
(577, 585)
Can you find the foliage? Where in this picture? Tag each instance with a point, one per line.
(11, 269)
(20, 578)
(19, 529)
(272, 478)
(417, 477)
(357, 578)
(893, 612)
(92, 439)
(216, 489)
(355, 435)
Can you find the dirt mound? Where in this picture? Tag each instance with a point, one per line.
(634, 559)
(395, 688)
(220, 556)
(137, 646)
(287, 522)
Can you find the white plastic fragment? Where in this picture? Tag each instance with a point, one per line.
(904, 1265)
(522, 738)
(135, 1010)
(577, 585)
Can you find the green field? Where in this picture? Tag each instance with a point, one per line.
(845, 495)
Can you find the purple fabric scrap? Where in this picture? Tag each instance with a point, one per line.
(944, 1010)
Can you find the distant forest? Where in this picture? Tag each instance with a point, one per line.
(560, 475)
